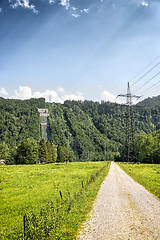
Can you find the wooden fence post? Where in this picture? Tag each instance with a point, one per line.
(24, 225)
(60, 194)
(82, 184)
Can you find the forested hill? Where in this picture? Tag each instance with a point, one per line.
(19, 119)
(150, 102)
(89, 129)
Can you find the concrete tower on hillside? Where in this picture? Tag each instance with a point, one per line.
(44, 123)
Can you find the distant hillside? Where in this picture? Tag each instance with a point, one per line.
(19, 119)
(91, 130)
(91, 127)
(150, 102)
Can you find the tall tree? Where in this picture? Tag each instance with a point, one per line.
(63, 154)
(43, 153)
(51, 152)
(4, 151)
(27, 152)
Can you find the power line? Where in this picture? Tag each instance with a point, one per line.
(143, 69)
(146, 74)
(148, 81)
(148, 89)
(141, 72)
(129, 116)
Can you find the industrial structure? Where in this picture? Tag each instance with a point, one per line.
(129, 116)
(44, 123)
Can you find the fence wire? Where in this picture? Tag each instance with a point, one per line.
(61, 200)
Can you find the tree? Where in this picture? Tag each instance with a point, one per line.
(149, 147)
(54, 153)
(27, 152)
(4, 151)
(11, 160)
(63, 154)
(51, 152)
(43, 154)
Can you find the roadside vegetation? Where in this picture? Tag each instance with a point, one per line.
(149, 147)
(79, 130)
(35, 190)
(147, 175)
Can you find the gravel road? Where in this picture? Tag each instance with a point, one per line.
(123, 210)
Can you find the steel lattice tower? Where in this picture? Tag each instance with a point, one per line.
(130, 125)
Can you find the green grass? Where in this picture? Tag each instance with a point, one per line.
(25, 188)
(147, 175)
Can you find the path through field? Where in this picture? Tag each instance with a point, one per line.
(123, 210)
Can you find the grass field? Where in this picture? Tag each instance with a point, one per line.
(147, 175)
(25, 188)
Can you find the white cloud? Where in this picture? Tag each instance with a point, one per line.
(76, 15)
(27, 4)
(85, 10)
(23, 92)
(61, 90)
(72, 97)
(74, 12)
(49, 95)
(24, 4)
(145, 4)
(0, 10)
(52, 1)
(65, 3)
(3, 92)
(107, 96)
(80, 93)
(74, 8)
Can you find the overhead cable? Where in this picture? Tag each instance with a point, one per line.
(148, 81)
(141, 72)
(144, 69)
(148, 89)
(146, 74)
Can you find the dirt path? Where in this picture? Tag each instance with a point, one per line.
(123, 210)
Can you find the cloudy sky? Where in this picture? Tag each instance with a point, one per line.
(78, 49)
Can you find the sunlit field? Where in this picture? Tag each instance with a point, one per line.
(26, 188)
(147, 175)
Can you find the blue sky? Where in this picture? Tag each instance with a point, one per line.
(77, 49)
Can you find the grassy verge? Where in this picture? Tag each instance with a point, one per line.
(27, 188)
(147, 175)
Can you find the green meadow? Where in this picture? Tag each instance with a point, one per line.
(147, 175)
(25, 189)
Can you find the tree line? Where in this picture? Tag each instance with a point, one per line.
(149, 147)
(79, 131)
(29, 151)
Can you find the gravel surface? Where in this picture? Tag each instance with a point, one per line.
(123, 210)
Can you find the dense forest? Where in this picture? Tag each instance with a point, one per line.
(19, 119)
(79, 131)
(150, 102)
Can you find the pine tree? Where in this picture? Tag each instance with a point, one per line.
(43, 154)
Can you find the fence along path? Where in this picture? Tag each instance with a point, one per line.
(49, 208)
(123, 210)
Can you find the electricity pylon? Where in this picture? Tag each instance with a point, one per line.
(130, 125)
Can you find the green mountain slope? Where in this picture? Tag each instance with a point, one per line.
(150, 102)
(19, 119)
(90, 130)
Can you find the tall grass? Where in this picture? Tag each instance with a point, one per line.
(147, 175)
(27, 188)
